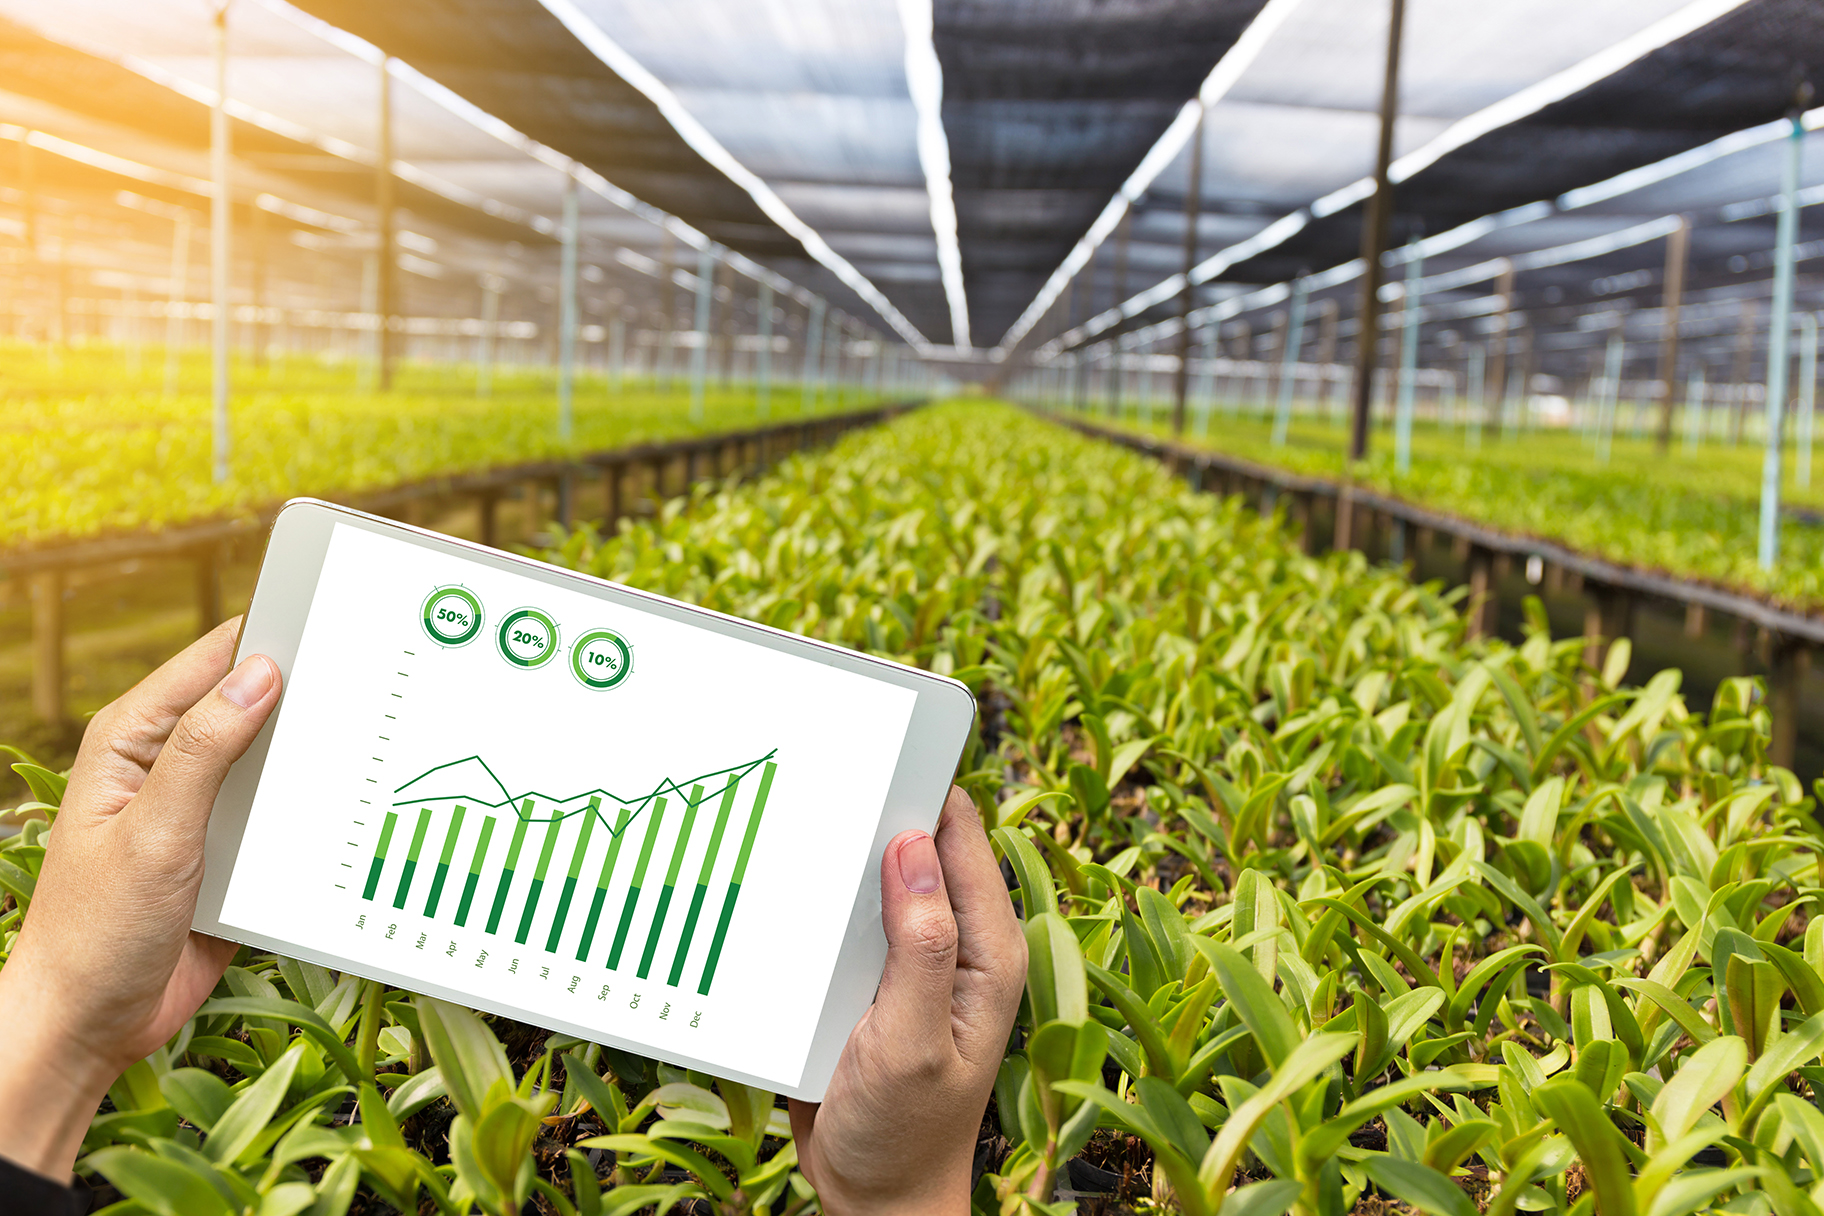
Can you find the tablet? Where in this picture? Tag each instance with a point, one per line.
(570, 802)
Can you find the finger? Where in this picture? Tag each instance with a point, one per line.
(124, 739)
(174, 804)
(991, 949)
(912, 1008)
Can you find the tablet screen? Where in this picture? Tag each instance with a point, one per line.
(569, 807)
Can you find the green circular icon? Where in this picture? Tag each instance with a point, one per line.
(452, 616)
(527, 638)
(600, 658)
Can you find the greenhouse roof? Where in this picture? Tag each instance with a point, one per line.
(944, 170)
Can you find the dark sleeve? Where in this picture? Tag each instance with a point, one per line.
(24, 1193)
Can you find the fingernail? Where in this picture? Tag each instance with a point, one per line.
(918, 867)
(250, 681)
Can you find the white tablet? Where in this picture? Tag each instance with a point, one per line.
(570, 802)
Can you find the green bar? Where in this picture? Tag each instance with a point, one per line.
(576, 866)
(601, 885)
(671, 880)
(506, 873)
(734, 884)
(538, 878)
(443, 862)
(411, 857)
(639, 877)
(373, 871)
(468, 888)
(696, 899)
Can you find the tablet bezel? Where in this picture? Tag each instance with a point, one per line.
(942, 717)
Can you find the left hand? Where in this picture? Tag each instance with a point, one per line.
(106, 967)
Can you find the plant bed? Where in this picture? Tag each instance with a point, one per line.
(1330, 908)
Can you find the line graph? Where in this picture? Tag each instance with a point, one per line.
(568, 827)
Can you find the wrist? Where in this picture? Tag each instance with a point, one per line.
(50, 1085)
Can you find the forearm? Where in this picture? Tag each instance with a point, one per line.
(48, 1091)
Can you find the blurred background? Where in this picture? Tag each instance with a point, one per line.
(435, 256)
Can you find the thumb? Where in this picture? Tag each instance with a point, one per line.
(175, 802)
(913, 1004)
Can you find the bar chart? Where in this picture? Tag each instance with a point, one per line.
(657, 931)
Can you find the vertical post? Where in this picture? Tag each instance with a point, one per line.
(1808, 390)
(384, 268)
(1409, 361)
(174, 321)
(47, 647)
(1779, 345)
(813, 354)
(1193, 206)
(208, 588)
(699, 354)
(1744, 352)
(1678, 252)
(1326, 353)
(1497, 375)
(484, 343)
(763, 358)
(566, 318)
(1376, 222)
(668, 303)
(617, 350)
(1478, 395)
(832, 374)
(258, 330)
(1120, 285)
(1611, 394)
(1519, 386)
(1288, 362)
(1789, 661)
(1696, 403)
(218, 248)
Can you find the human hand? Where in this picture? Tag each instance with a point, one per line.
(896, 1131)
(106, 968)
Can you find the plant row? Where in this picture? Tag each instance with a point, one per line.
(1328, 906)
(122, 455)
(1691, 513)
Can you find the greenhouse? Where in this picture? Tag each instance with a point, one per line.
(911, 606)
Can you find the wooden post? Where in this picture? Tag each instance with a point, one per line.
(565, 504)
(658, 480)
(1696, 620)
(1343, 535)
(47, 647)
(1610, 615)
(1790, 663)
(611, 493)
(487, 502)
(1484, 604)
(1678, 246)
(1377, 221)
(1301, 519)
(209, 612)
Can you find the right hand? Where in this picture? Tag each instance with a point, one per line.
(897, 1130)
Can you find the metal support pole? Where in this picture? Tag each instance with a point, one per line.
(566, 318)
(1678, 252)
(174, 322)
(668, 297)
(832, 354)
(813, 354)
(1497, 375)
(1376, 222)
(699, 354)
(1122, 239)
(763, 358)
(1696, 409)
(1478, 395)
(1288, 362)
(384, 267)
(1808, 390)
(218, 248)
(1409, 362)
(1611, 394)
(617, 351)
(484, 342)
(1779, 344)
(1193, 205)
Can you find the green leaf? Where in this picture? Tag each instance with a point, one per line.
(1420, 1185)
(241, 1124)
(1037, 894)
(466, 1052)
(1580, 1117)
(163, 1186)
(1055, 980)
(198, 1094)
(1253, 1000)
(1702, 1080)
